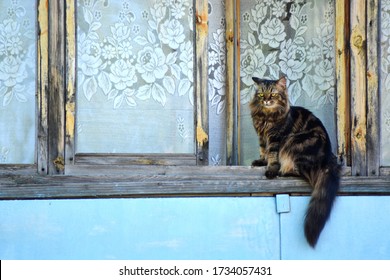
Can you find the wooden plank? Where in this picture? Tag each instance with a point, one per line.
(373, 121)
(136, 159)
(70, 105)
(384, 171)
(42, 86)
(119, 170)
(230, 73)
(197, 181)
(342, 82)
(56, 93)
(358, 87)
(201, 82)
(17, 169)
(238, 80)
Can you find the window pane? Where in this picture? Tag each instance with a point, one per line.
(293, 39)
(385, 83)
(217, 80)
(17, 81)
(135, 77)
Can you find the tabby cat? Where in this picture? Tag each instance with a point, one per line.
(293, 142)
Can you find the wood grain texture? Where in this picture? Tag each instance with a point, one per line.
(201, 82)
(342, 82)
(373, 121)
(169, 181)
(230, 81)
(42, 87)
(358, 87)
(135, 159)
(56, 94)
(238, 81)
(70, 101)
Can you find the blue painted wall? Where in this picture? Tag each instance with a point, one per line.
(190, 228)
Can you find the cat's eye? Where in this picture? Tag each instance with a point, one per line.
(273, 94)
(261, 95)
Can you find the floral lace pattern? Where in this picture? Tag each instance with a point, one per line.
(217, 69)
(278, 38)
(385, 82)
(288, 38)
(17, 81)
(128, 62)
(134, 58)
(216, 82)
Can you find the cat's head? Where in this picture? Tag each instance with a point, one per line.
(270, 96)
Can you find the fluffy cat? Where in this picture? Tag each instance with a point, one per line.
(294, 142)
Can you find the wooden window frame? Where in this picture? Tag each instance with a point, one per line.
(55, 174)
(72, 163)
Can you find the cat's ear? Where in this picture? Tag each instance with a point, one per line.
(282, 82)
(257, 80)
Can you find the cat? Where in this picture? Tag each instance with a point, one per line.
(294, 142)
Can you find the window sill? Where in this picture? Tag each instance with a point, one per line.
(170, 181)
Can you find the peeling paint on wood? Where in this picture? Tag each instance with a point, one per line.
(70, 53)
(70, 111)
(42, 86)
(342, 85)
(201, 81)
(59, 164)
(201, 136)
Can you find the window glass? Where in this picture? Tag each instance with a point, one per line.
(385, 82)
(217, 83)
(294, 39)
(135, 77)
(17, 81)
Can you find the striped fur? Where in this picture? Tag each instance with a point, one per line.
(294, 142)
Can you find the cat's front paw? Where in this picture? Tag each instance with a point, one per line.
(272, 171)
(259, 162)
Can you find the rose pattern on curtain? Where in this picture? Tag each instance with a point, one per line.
(17, 81)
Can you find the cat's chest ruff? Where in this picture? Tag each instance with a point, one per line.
(264, 126)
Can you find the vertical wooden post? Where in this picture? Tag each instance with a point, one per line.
(201, 81)
(56, 93)
(70, 106)
(373, 142)
(358, 87)
(238, 79)
(342, 74)
(42, 87)
(230, 74)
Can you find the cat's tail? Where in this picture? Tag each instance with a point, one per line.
(325, 182)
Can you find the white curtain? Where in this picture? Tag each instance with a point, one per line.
(294, 39)
(385, 82)
(17, 82)
(135, 76)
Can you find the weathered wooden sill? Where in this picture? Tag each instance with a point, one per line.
(174, 182)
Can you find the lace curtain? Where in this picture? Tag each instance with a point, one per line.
(17, 81)
(135, 73)
(385, 82)
(135, 76)
(216, 83)
(293, 39)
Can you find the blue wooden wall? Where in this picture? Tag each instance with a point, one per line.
(190, 228)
